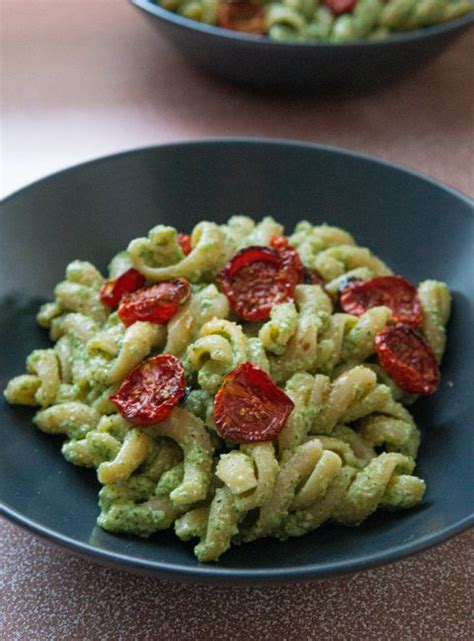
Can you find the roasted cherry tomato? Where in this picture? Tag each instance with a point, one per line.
(408, 359)
(279, 242)
(241, 16)
(249, 406)
(156, 304)
(112, 290)
(151, 390)
(392, 291)
(184, 241)
(292, 264)
(255, 280)
(340, 6)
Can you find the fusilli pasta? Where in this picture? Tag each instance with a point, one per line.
(342, 443)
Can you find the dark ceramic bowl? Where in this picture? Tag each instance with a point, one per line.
(421, 228)
(260, 62)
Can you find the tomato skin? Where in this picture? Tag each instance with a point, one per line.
(248, 255)
(184, 241)
(112, 290)
(406, 356)
(292, 264)
(257, 278)
(279, 242)
(392, 291)
(252, 282)
(249, 407)
(155, 304)
(340, 6)
(241, 16)
(151, 390)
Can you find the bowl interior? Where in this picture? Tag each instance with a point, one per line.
(422, 229)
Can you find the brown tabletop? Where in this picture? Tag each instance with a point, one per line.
(83, 78)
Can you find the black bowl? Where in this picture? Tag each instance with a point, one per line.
(421, 228)
(260, 62)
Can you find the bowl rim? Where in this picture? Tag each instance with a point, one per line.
(216, 574)
(250, 141)
(399, 38)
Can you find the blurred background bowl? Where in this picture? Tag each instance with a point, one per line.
(260, 62)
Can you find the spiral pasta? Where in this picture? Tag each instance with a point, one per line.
(436, 302)
(310, 240)
(41, 385)
(138, 505)
(276, 332)
(250, 474)
(217, 524)
(190, 434)
(349, 339)
(159, 257)
(346, 445)
(295, 471)
(262, 233)
(369, 486)
(184, 328)
(80, 291)
(221, 347)
(301, 350)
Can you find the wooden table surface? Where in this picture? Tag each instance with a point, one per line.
(85, 78)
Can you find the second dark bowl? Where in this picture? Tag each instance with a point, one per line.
(260, 62)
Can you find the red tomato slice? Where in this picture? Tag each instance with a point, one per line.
(249, 406)
(250, 255)
(156, 304)
(340, 6)
(241, 16)
(112, 290)
(291, 260)
(408, 359)
(279, 242)
(392, 291)
(255, 280)
(184, 241)
(151, 390)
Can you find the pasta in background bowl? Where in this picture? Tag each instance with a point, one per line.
(309, 347)
(303, 45)
(331, 20)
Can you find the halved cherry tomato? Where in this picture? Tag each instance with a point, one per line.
(392, 291)
(292, 264)
(254, 281)
(151, 390)
(279, 242)
(241, 16)
(112, 290)
(340, 6)
(156, 304)
(184, 241)
(408, 359)
(250, 407)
